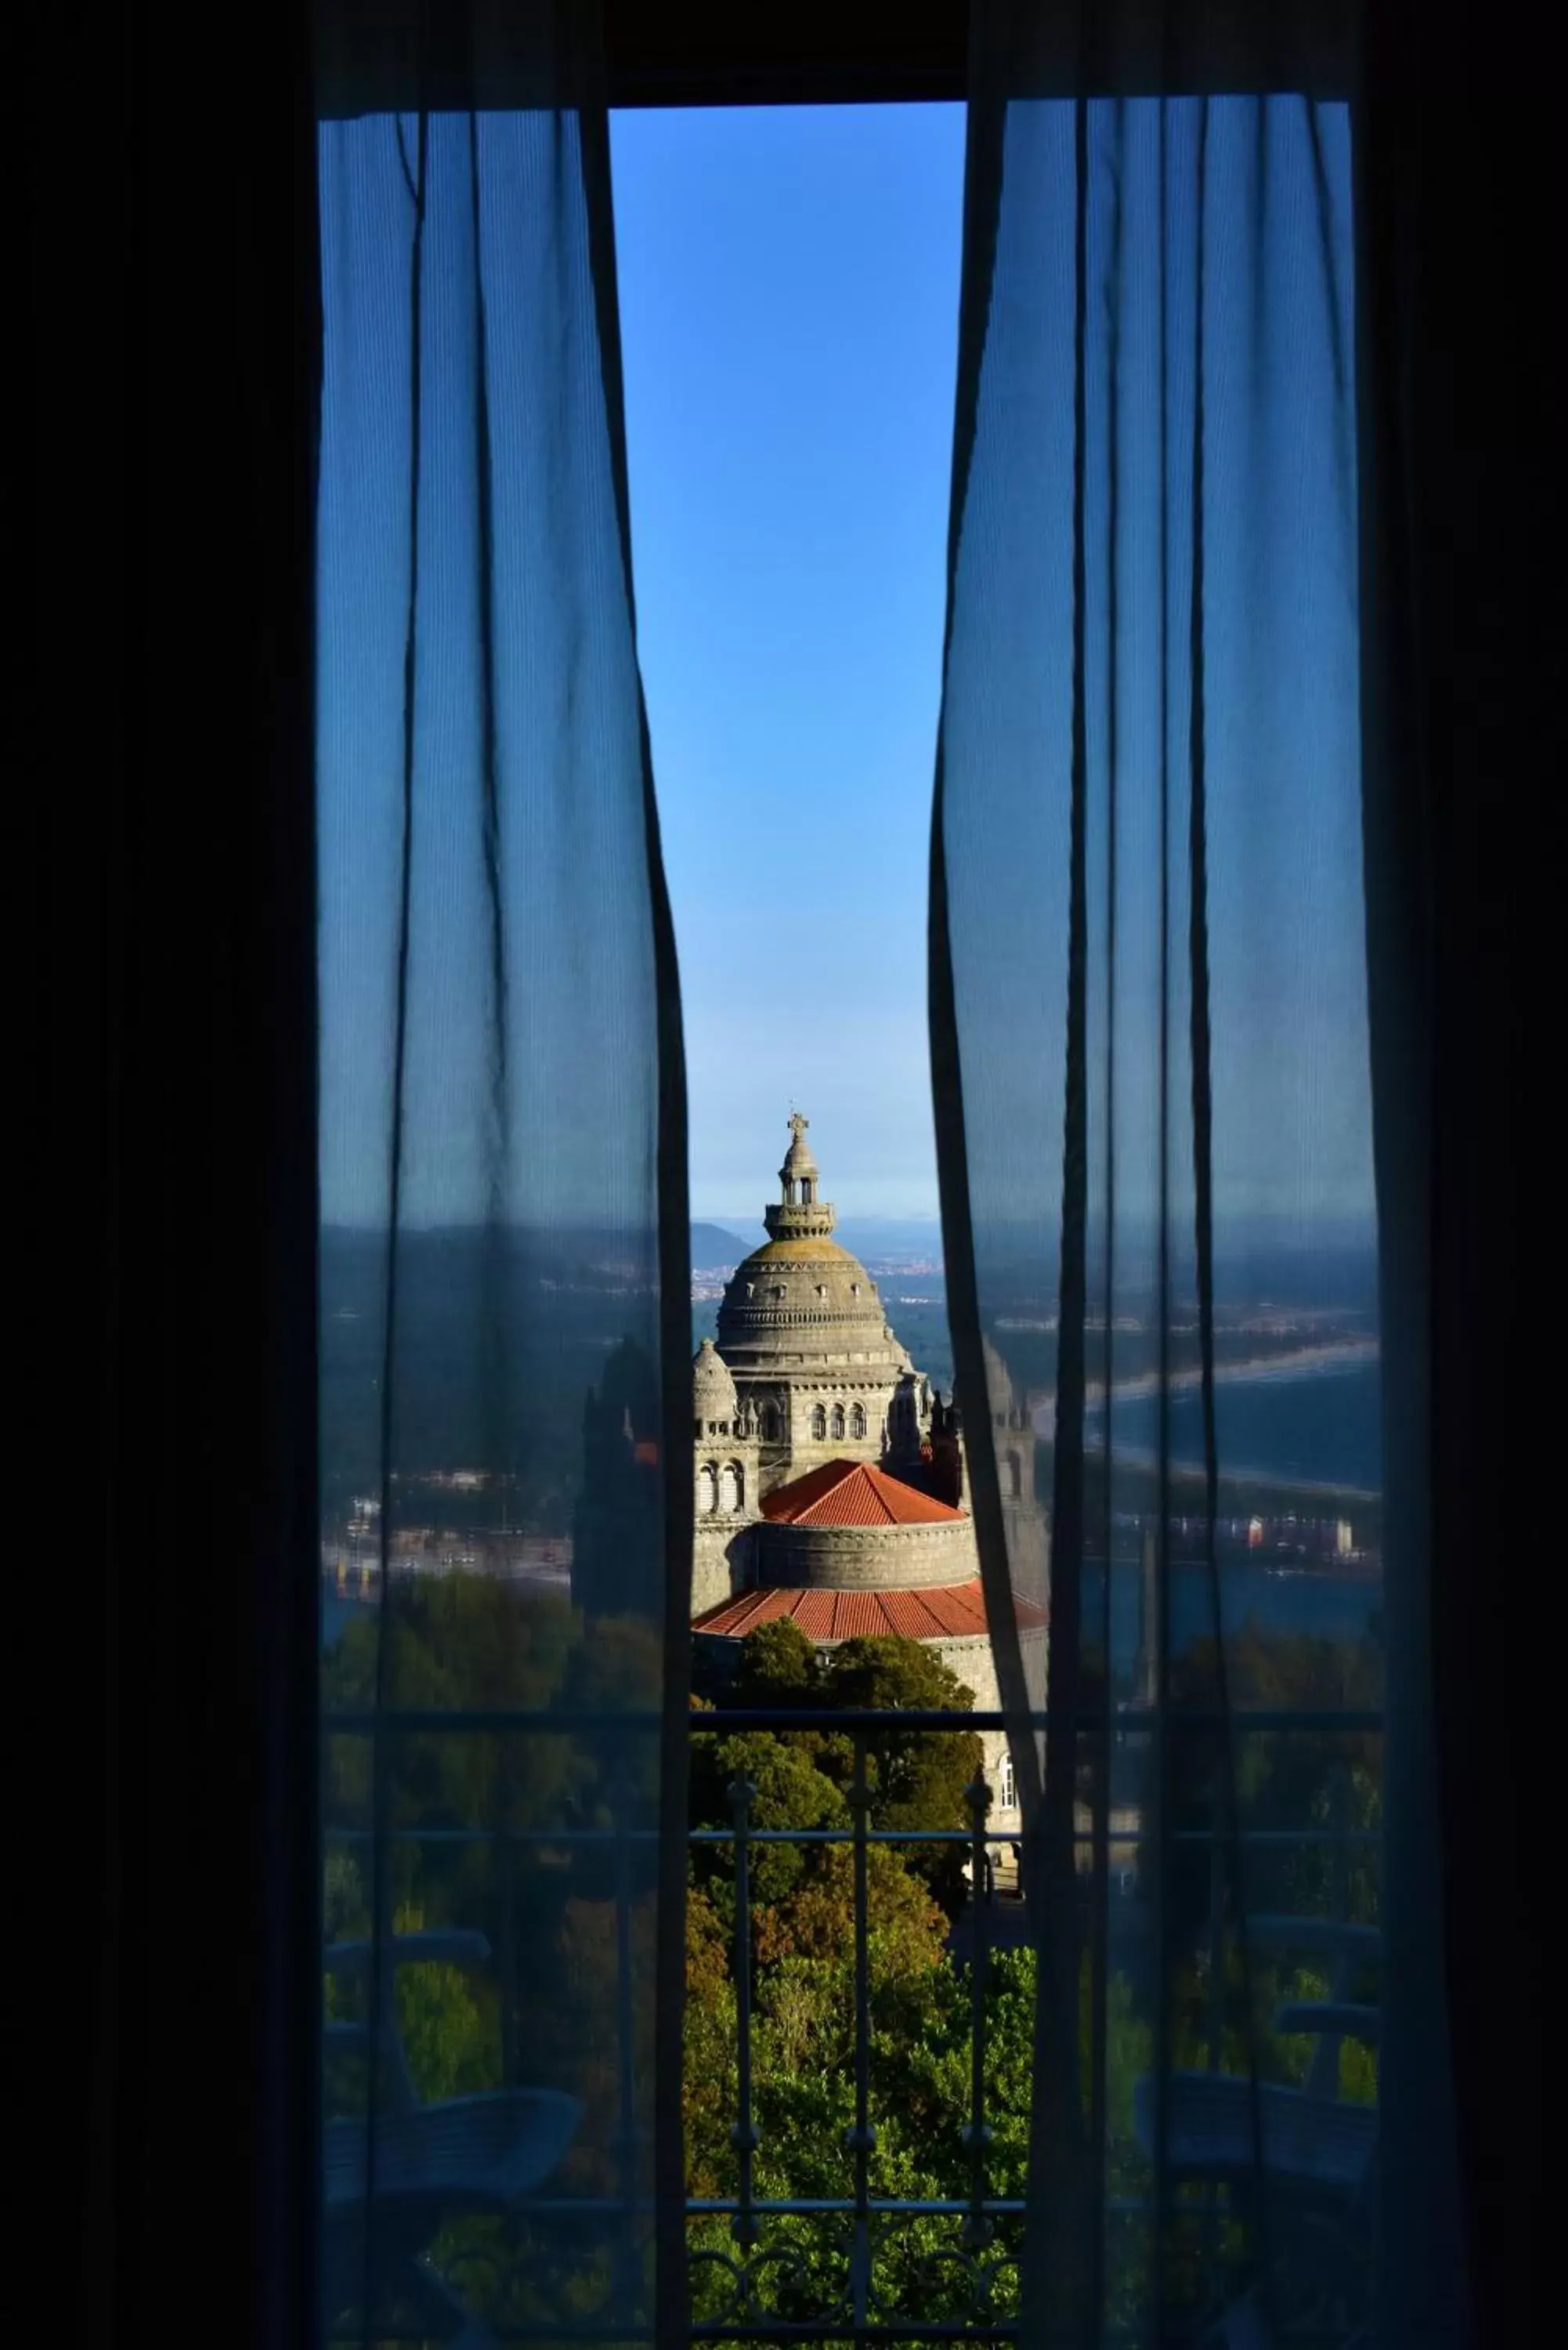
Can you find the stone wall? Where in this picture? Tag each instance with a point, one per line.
(971, 1660)
(863, 1558)
(720, 1561)
(794, 1397)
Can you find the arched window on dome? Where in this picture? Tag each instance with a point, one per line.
(707, 1492)
(857, 1420)
(1014, 1477)
(771, 1429)
(837, 1429)
(729, 1487)
(819, 1423)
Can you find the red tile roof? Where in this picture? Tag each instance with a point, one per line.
(943, 1611)
(853, 1494)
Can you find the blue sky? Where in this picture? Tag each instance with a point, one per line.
(789, 287)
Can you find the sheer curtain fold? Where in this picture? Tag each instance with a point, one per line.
(504, 1246)
(1151, 1046)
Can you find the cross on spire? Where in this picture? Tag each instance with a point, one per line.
(801, 1213)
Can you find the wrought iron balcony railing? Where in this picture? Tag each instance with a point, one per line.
(888, 2248)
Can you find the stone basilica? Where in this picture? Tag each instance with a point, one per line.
(830, 1474)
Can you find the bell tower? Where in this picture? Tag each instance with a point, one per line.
(799, 1214)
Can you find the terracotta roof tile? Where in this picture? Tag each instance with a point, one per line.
(853, 1494)
(943, 1611)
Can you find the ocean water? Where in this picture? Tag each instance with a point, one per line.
(1318, 1427)
(1325, 1605)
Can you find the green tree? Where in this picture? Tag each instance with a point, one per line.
(918, 1778)
(778, 1665)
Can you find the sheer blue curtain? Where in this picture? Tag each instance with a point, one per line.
(504, 1263)
(1154, 1115)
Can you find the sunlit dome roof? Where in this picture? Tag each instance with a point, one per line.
(713, 1393)
(802, 1299)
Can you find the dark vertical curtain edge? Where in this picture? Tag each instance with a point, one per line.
(671, 2300)
(982, 191)
(1459, 229)
(1420, 2223)
(159, 487)
(287, 1630)
(381, 1988)
(1100, 1786)
(1159, 1806)
(985, 129)
(1056, 2280)
(1227, 1825)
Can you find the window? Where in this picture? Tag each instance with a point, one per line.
(721, 1487)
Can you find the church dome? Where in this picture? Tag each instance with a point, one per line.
(714, 1398)
(801, 1302)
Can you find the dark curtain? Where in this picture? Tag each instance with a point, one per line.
(1460, 194)
(163, 334)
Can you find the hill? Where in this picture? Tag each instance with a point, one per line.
(713, 1244)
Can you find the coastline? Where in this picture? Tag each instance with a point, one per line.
(1333, 1355)
(1246, 1488)
(1130, 1456)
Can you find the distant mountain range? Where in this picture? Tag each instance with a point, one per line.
(862, 1236)
(713, 1244)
